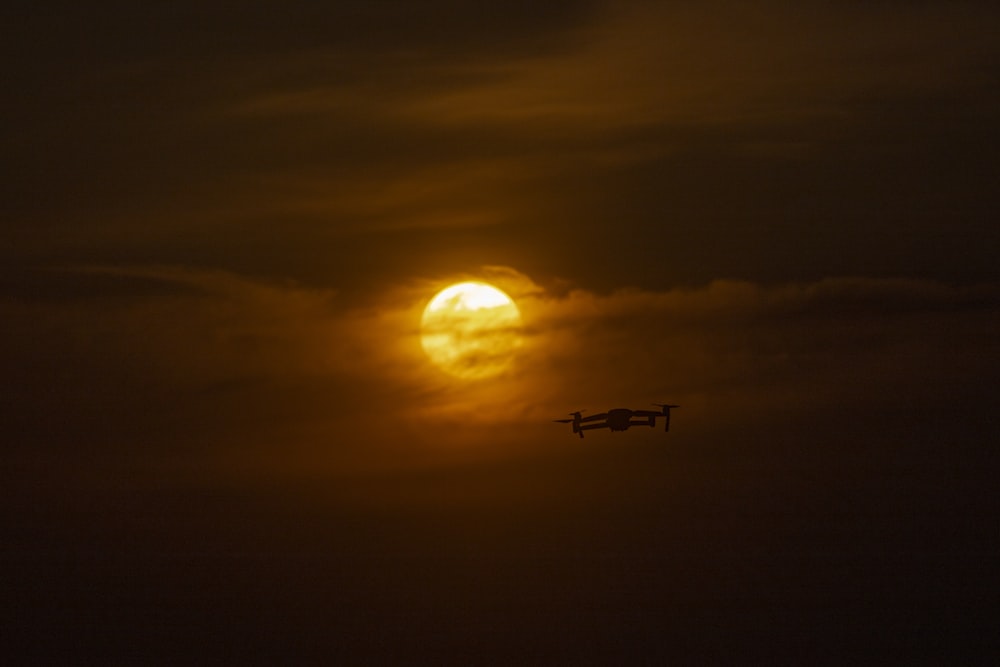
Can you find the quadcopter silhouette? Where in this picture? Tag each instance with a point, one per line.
(619, 419)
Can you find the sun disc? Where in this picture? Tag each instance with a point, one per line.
(470, 330)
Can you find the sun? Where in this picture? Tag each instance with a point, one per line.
(470, 330)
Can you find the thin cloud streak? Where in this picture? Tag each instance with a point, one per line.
(649, 63)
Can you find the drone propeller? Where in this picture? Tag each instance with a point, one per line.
(666, 414)
(575, 421)
(576, 416)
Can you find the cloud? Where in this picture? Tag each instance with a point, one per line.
(727, 125)
(209, 370)
(644, 63)
(836, 341)
(367, 129)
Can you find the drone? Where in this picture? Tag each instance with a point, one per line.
(619, 419)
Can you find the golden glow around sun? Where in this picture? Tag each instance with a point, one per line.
(470, 330)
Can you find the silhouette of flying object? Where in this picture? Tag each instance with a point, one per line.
(619, 419)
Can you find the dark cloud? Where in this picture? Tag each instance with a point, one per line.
(833, 140)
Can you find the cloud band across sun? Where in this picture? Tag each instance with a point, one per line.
(241, 365)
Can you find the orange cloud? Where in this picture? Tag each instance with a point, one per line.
(245, 373)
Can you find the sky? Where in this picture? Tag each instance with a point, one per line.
(222, 440)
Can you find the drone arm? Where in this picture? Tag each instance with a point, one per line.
(589, 427)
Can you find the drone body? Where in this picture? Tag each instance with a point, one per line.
(620, 419)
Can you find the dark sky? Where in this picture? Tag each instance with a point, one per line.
(222, 442)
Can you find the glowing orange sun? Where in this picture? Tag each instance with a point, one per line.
(470, 330)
